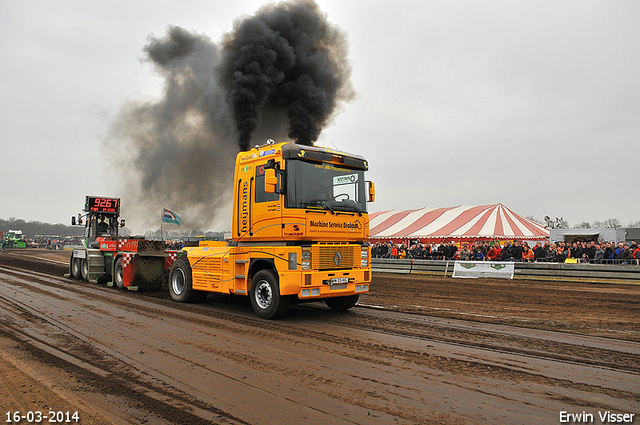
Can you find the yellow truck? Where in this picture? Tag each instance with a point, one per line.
(299, 233)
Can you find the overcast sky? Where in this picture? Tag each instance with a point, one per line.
(535, 105)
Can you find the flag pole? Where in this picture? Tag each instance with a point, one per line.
(161, 220)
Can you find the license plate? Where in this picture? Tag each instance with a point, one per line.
(337, 280)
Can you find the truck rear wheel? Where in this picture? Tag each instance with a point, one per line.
(117, 274)
(180, 283)
(265, 295)
(341, 303)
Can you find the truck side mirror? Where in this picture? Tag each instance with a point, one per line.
(122, 222)
(270, 180)
(372, 191)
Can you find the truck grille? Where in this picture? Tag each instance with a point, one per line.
(332, 257)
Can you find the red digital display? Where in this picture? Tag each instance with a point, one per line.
(108, 205)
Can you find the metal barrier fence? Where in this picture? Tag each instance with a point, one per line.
(618, 261)
(592, 273)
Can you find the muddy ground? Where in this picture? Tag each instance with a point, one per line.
(415, 350)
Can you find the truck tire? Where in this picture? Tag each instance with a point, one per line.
(342, 303)
(180, 283)
(85, 269)
(76, 267)
(117, 274)
(265, 295)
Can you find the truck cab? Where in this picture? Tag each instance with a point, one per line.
(293, 193)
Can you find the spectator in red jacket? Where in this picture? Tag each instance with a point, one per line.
(636, 254)
(495, 252)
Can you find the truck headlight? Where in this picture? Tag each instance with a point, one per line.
(364, 263)
(306, 259)
(364, 253)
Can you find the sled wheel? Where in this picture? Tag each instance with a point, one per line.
(85, 269)
(76, 268)
(118, 274)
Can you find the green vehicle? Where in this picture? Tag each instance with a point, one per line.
(15, 239)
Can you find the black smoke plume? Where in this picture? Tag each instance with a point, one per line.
(289, 60)
(281, 72)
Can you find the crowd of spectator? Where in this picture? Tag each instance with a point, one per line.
(559, 252)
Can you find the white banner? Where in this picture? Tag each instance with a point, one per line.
(495, 269)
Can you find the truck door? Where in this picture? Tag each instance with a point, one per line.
(266, 214)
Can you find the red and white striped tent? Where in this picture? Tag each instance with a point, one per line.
(460, 224)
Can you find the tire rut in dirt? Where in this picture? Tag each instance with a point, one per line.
(418, 326)
(100, 374)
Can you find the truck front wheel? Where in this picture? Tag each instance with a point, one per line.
(265, 295)
(180, 283)
(342, 303)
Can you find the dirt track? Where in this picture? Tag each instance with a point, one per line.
(415, 350)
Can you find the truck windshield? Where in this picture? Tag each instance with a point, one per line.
(327, 186)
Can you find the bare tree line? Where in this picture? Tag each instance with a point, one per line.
(610, 223)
